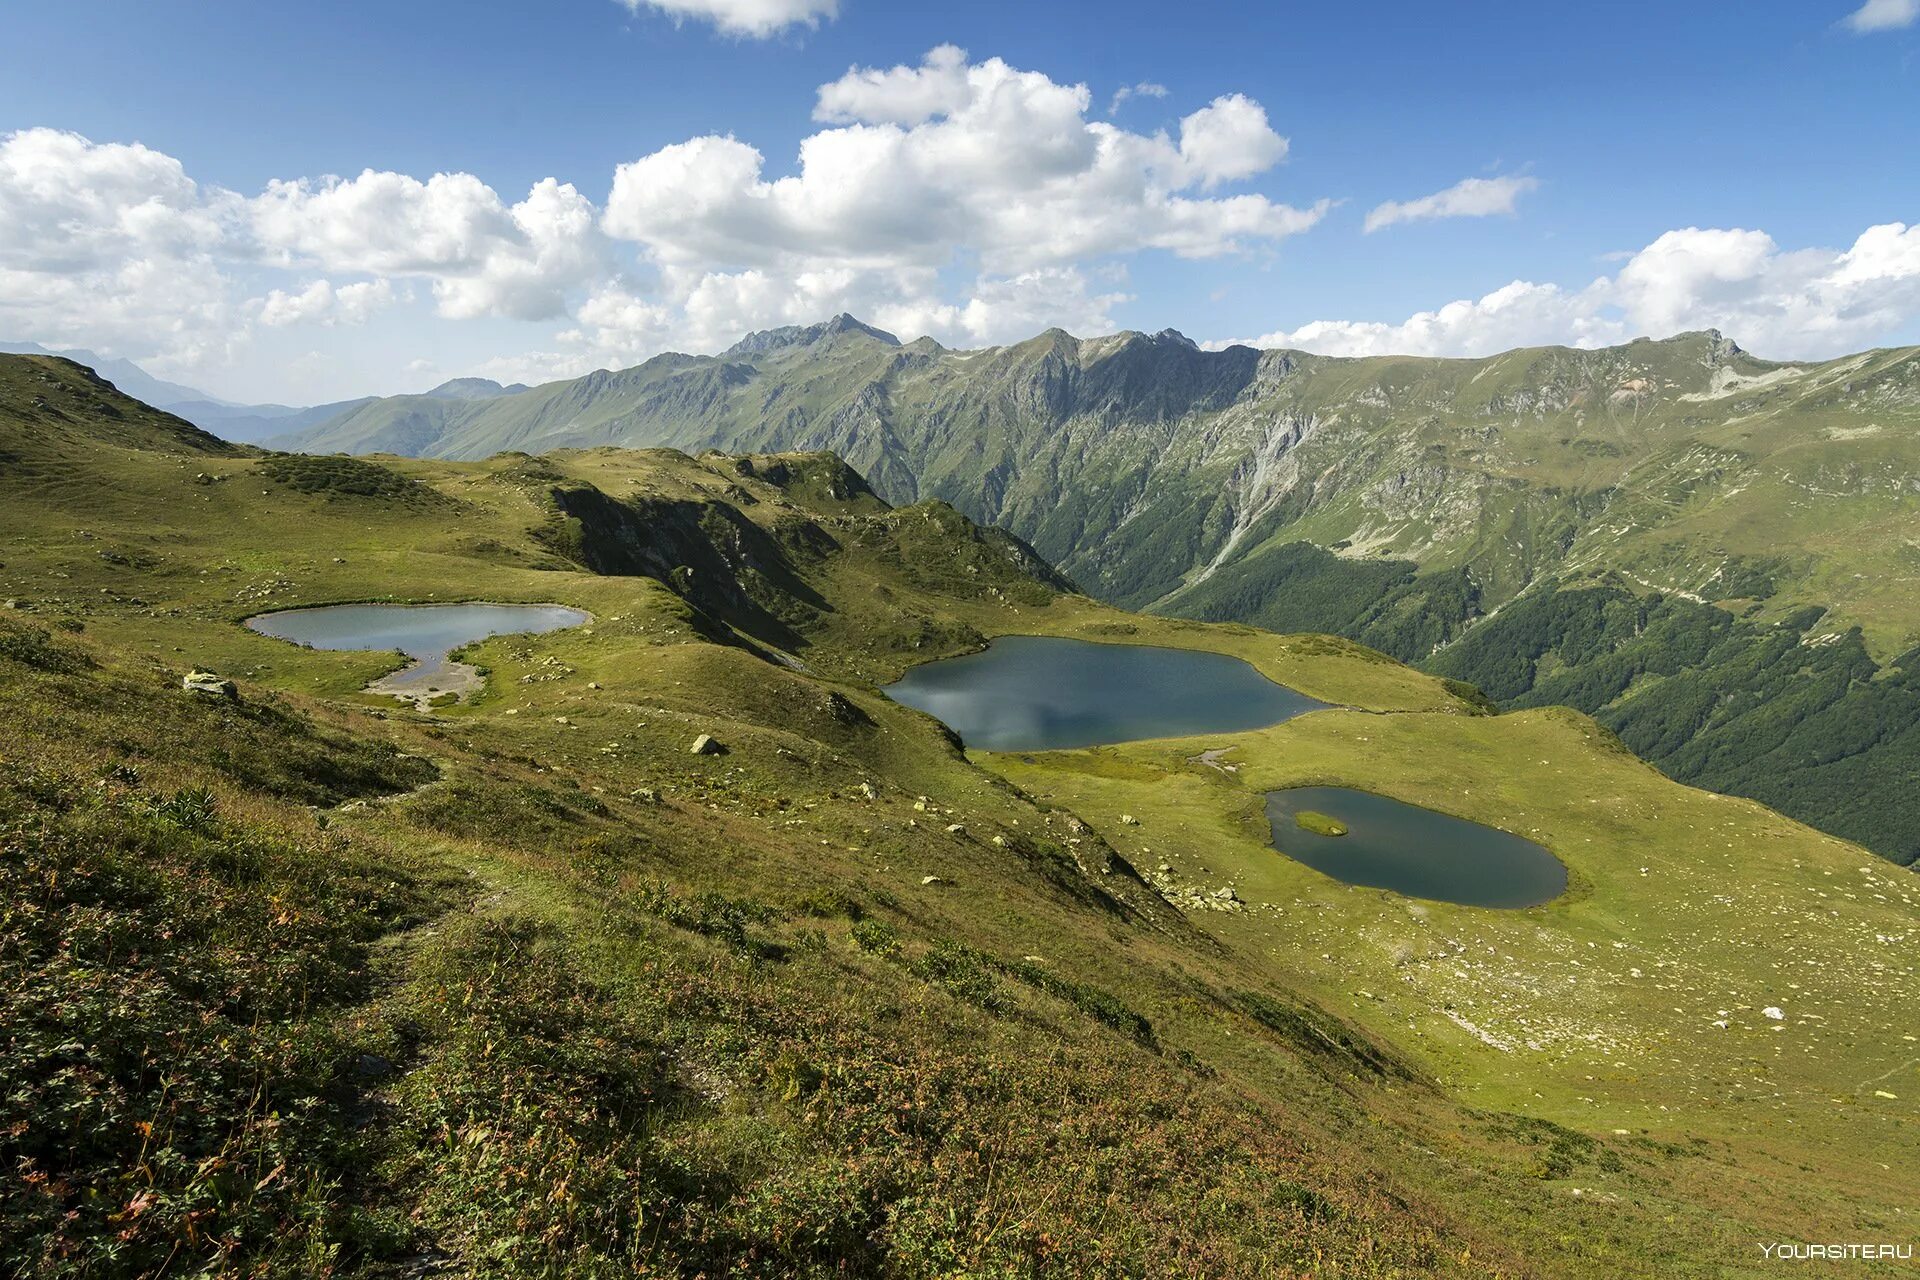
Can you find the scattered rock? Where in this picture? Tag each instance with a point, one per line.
(645, 795)
(706, 745)
(932, 880)
(209, 685)
(867, 791)
(1775, 1012)
(844, 711)
(1128, 820)
(1226, 893)
(957, 829)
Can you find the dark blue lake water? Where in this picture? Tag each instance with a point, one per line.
(427, 633)
(1415, 851)
(1044, 693)
(421, 631)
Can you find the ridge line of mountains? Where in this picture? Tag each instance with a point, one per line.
(1713, 554)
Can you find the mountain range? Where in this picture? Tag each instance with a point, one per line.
(678, 945)
(245, 423)
(129, 377)
(1526, 521)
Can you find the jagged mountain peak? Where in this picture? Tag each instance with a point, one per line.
(794, 335)
(474, 389)
(1715, 344)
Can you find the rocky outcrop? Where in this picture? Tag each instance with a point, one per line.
(209, 685)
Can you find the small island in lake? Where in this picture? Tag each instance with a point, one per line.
(1319, 823)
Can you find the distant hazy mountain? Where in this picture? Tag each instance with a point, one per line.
(123, 374)
(257, 423)
(245, 423)
(260, 423)
(474, 389)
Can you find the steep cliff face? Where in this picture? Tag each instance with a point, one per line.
(745, 540)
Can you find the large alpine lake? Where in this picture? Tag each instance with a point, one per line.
(1046, 693)
(1414, 851)
(426, 633)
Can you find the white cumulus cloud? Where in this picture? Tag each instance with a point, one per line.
(111, 245)
(897, 95)
(948, 160)
(965, 200)
(756, 18)
(1145, 89)
(970, 200)
(1468, 198)
(1788, 304)
(482, 256)
(321, 303)
(1229, 139)
(1884, 15)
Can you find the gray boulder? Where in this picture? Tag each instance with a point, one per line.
(208, 685)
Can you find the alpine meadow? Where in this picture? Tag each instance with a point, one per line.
(765, 711)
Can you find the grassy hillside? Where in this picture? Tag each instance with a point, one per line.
(306, 982)
(1393, 500)
(1153, 471)
(1792, 712)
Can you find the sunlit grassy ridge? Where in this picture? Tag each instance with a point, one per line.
(307, 981)
(1463, 514)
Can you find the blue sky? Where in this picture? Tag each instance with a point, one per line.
(1625, 144)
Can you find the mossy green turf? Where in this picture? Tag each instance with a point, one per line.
(592, 1003)
(1320, 824)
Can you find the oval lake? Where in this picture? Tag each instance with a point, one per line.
(1414, 851)
(427, 633)
(1046, 693)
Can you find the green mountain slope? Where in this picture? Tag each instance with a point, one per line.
(124, 374)
(304, 982)
(1397, 501)
(241, 423)
(57, 412)
(1155, 472)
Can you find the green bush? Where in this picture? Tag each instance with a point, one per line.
(36, 648)
(338, 476)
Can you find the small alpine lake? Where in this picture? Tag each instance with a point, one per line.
(426, 633)
(1389, 844)
(1048, 693)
